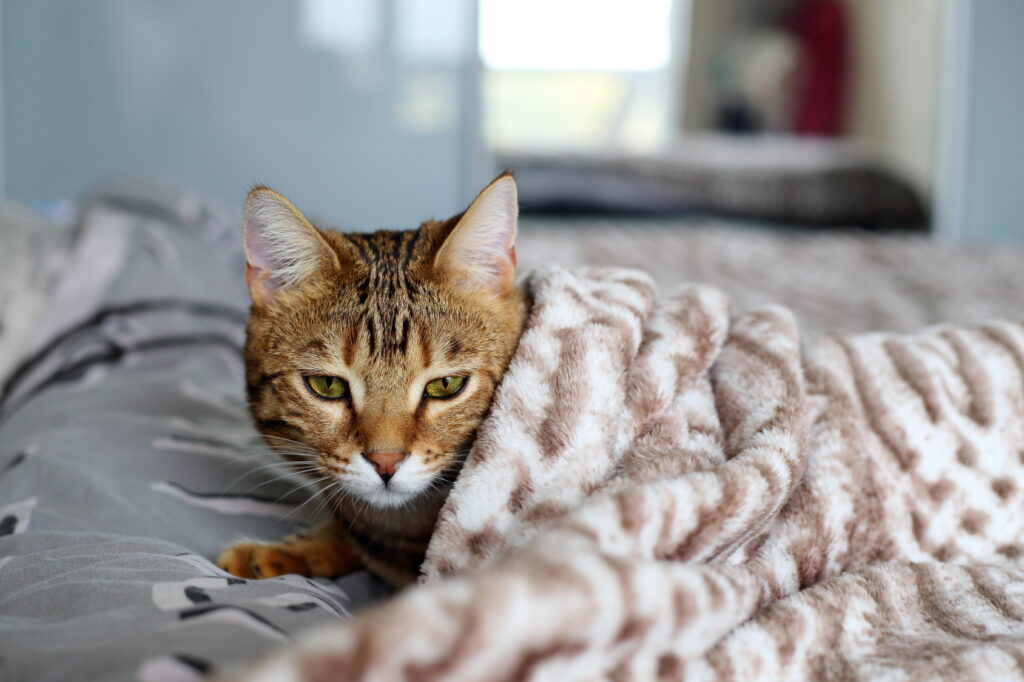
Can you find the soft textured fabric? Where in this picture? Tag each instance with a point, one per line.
(667, 491)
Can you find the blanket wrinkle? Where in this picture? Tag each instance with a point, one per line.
(666, 490)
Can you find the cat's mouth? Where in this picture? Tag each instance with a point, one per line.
(357, 479)
(389, 498)
(407, 482)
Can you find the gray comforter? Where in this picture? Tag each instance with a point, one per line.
(127, 461)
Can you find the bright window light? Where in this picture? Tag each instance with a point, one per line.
(575, 35)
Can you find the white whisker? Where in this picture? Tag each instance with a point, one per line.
(287, 475)
(293, 470)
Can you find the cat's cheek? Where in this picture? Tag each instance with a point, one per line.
(445, 436)
(361, 478)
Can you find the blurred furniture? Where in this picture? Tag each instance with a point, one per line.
(769, 178)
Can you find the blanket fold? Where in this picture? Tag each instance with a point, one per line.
(666, 491)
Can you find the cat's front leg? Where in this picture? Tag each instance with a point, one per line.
(320, 552)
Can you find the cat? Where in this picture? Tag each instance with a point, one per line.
(371, 359)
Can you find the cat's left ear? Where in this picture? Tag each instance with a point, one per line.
(282, 248)
(479, 252)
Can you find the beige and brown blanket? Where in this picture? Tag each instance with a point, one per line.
(666, 491)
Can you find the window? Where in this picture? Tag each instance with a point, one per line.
(576, 74)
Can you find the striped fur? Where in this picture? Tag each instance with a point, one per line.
(388, 312)
(692, 496)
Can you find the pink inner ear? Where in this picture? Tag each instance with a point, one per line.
(260, 282)
(271, 262)
(259, 269)
(255, 277)
(489, 263)
(261, 285)
(255, 245)
(480, 250)
(501, 261)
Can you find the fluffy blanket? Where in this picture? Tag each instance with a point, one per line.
(664, 491)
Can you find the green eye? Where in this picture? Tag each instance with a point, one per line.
(445, 387)
(331, 388)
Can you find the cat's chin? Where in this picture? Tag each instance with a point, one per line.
(397, 494)
(387, 498)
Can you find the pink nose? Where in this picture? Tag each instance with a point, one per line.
(385, 461)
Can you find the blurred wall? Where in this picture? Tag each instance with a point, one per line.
(362, 111)
(983, 141)
(708, 22)
(895, 76)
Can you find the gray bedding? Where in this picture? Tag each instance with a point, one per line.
(127, 460)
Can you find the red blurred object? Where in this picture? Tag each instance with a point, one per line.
(820, 27)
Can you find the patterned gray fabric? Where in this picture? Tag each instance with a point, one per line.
(32, 255)
(127, 461)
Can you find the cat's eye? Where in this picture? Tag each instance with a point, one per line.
(445, 387)
(330, 388)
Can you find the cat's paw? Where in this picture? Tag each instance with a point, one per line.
(319, 552)
(260, 560)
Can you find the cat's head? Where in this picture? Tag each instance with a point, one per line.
(372, 358)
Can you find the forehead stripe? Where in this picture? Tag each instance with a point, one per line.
(403, 340)
(372, 247)
(350, 346)
(453, 350)
(410, 243)
(425, 346)
(317, 346)
(360, 244)
(371, 334)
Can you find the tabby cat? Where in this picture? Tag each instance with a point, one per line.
(370, 361)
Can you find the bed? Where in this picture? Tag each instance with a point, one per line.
(127, 460)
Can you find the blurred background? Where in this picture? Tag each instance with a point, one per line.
(878, 114)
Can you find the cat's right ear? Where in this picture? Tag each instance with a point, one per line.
(479, 253)
(282, 248)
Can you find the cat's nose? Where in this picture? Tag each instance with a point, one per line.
(385, 461)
